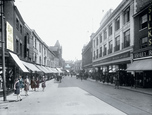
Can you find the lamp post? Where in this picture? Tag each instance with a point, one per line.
(3, 50)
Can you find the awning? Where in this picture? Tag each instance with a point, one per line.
(41, 68)
(30, 66)
(49, 69)
(141, 65)
(18, 62)
(54, 70)
(59, 70)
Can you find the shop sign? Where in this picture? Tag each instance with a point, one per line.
(117, 57)
(9, 37)
(150, 26)
(143, 54)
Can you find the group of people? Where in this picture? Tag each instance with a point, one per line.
(20, 84)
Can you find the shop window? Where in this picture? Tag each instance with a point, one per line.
(117, 24)
(127, 15)
(144, 42)
(117, 43)
(110, 30)
(144, 21)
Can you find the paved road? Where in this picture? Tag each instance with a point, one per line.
(132, 103)
(76, 97)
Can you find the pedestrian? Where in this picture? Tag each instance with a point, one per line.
(26, 85)
(21, 83)
(43, 83)
(33, 84)
(17, 89)
(116, 79)
(37, 83)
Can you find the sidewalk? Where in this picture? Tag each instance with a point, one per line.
(147, 91)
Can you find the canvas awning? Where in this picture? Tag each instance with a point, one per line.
(49, 69)
(18, 62)
(54, 70)
(30, 66)
(41, 68)
(59, 70)
(141, 65)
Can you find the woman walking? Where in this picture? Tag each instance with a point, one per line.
(17, 89)
(33, 84)
(43, 83)
(37, 83)
(26, 85)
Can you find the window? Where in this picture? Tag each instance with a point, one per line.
(127, 39)
(35, 44)
(97, 41)
(105, 50)
(105, 34)
(110, 47)
(117, 43)
(144, 42)
(110, 30)
(94, 54)
(117, 24)
(94, 43)
(17, 46)
(126, 15)
(17, 24)
(100, 52)
(20, 49)
(39, 47)
(21, 29)
(97, 53)
(144, 21)
(100, 37)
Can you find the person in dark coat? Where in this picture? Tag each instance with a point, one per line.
(37, 83)
(33, 84)
(17, 89)
(43, 83)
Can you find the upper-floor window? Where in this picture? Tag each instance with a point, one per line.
(117, 23)
(105, 50)
(17, 24)
(126, 15)
(94, 55)
(110, 30)
(97, 41)
(144, 21)
(94, 43)
(39, 47)
(144, 42)
(20, 49)
(110, 47)
(105, 34)
(97, 54)
(126, 38)
(35, 44)
(100, 52)
(117, 43)
(21, 29)
(17, 46)
(100, 37)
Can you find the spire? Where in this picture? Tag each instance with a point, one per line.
(57, 44)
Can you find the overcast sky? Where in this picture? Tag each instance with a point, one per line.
(69, 21)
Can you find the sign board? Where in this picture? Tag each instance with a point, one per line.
(9, 37)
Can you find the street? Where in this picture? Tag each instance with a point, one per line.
(75, 97)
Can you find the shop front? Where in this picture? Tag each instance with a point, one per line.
(109, 67)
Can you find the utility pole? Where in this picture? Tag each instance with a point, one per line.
(3, 50)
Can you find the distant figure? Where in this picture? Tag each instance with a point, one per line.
(43, 83)
(17, 89)
(37, 83)
(33, 84)
(21, 83)
(26, 85)
(116, 79)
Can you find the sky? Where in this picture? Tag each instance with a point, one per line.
(71, 22)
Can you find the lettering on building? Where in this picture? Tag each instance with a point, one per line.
(150, 26)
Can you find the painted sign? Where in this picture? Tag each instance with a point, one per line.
(143, 54)
(9, 37)
(150, 26)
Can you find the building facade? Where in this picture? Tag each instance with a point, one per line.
(142, 54)
(113, 42)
